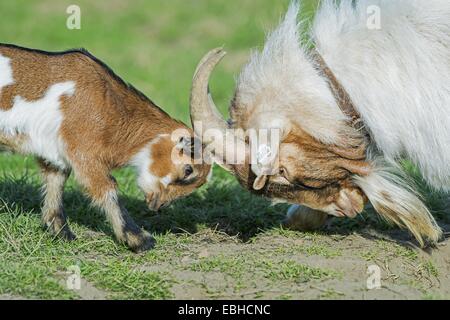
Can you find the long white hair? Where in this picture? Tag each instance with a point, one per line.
(397, 73)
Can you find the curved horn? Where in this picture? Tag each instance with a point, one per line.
(202, 107)
(227, 148)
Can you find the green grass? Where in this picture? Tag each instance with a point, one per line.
(430, 268)
(293, 271)
(155, 45)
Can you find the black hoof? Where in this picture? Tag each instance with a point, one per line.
(67, 235)
(141, 242)
(64, 233)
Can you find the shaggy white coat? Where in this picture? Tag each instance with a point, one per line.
(397, 75)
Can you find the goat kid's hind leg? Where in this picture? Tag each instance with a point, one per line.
(302, 218)
(104, 194)
(53, 216)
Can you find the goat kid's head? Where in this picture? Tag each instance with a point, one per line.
(168, 168)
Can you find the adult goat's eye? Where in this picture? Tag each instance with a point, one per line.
(188, 170)
(283, 172)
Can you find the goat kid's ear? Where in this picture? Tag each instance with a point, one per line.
(260, 182)
(185, 143)
(190, 146)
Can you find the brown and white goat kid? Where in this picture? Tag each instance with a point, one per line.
(73, 113)
(349, 110)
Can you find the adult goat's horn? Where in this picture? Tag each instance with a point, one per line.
(202, 107)
(207, 121)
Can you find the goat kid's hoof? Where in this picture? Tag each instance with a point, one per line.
(64, 233)
(300, 218)
(67, 235)
(141, 242)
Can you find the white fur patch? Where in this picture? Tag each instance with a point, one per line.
(398, 76)
(6, 74)
(397, 202)
(142, 162)
(166, 180)
(40, 121)
(280, 85)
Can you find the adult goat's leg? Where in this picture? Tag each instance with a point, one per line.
(302, 218)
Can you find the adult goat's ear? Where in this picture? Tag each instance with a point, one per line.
(265, 157)
(260, 182)
(263, 168)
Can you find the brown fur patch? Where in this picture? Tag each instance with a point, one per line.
(161, 153)
(33, 74)
(104, 117)
(105, 123)
(13, 143)
(316, 174)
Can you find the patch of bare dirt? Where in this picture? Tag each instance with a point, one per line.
(233, 270)
(86, 291)
(10, 297)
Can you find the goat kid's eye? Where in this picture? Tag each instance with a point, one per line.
(188, 170)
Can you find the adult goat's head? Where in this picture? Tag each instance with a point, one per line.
(321, 160)
(301, 170)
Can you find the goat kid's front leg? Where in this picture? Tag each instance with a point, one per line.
(302, 218)
(123, 225)
(53, 216)
(104, 194)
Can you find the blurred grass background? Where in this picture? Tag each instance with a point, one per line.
(156, 44)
